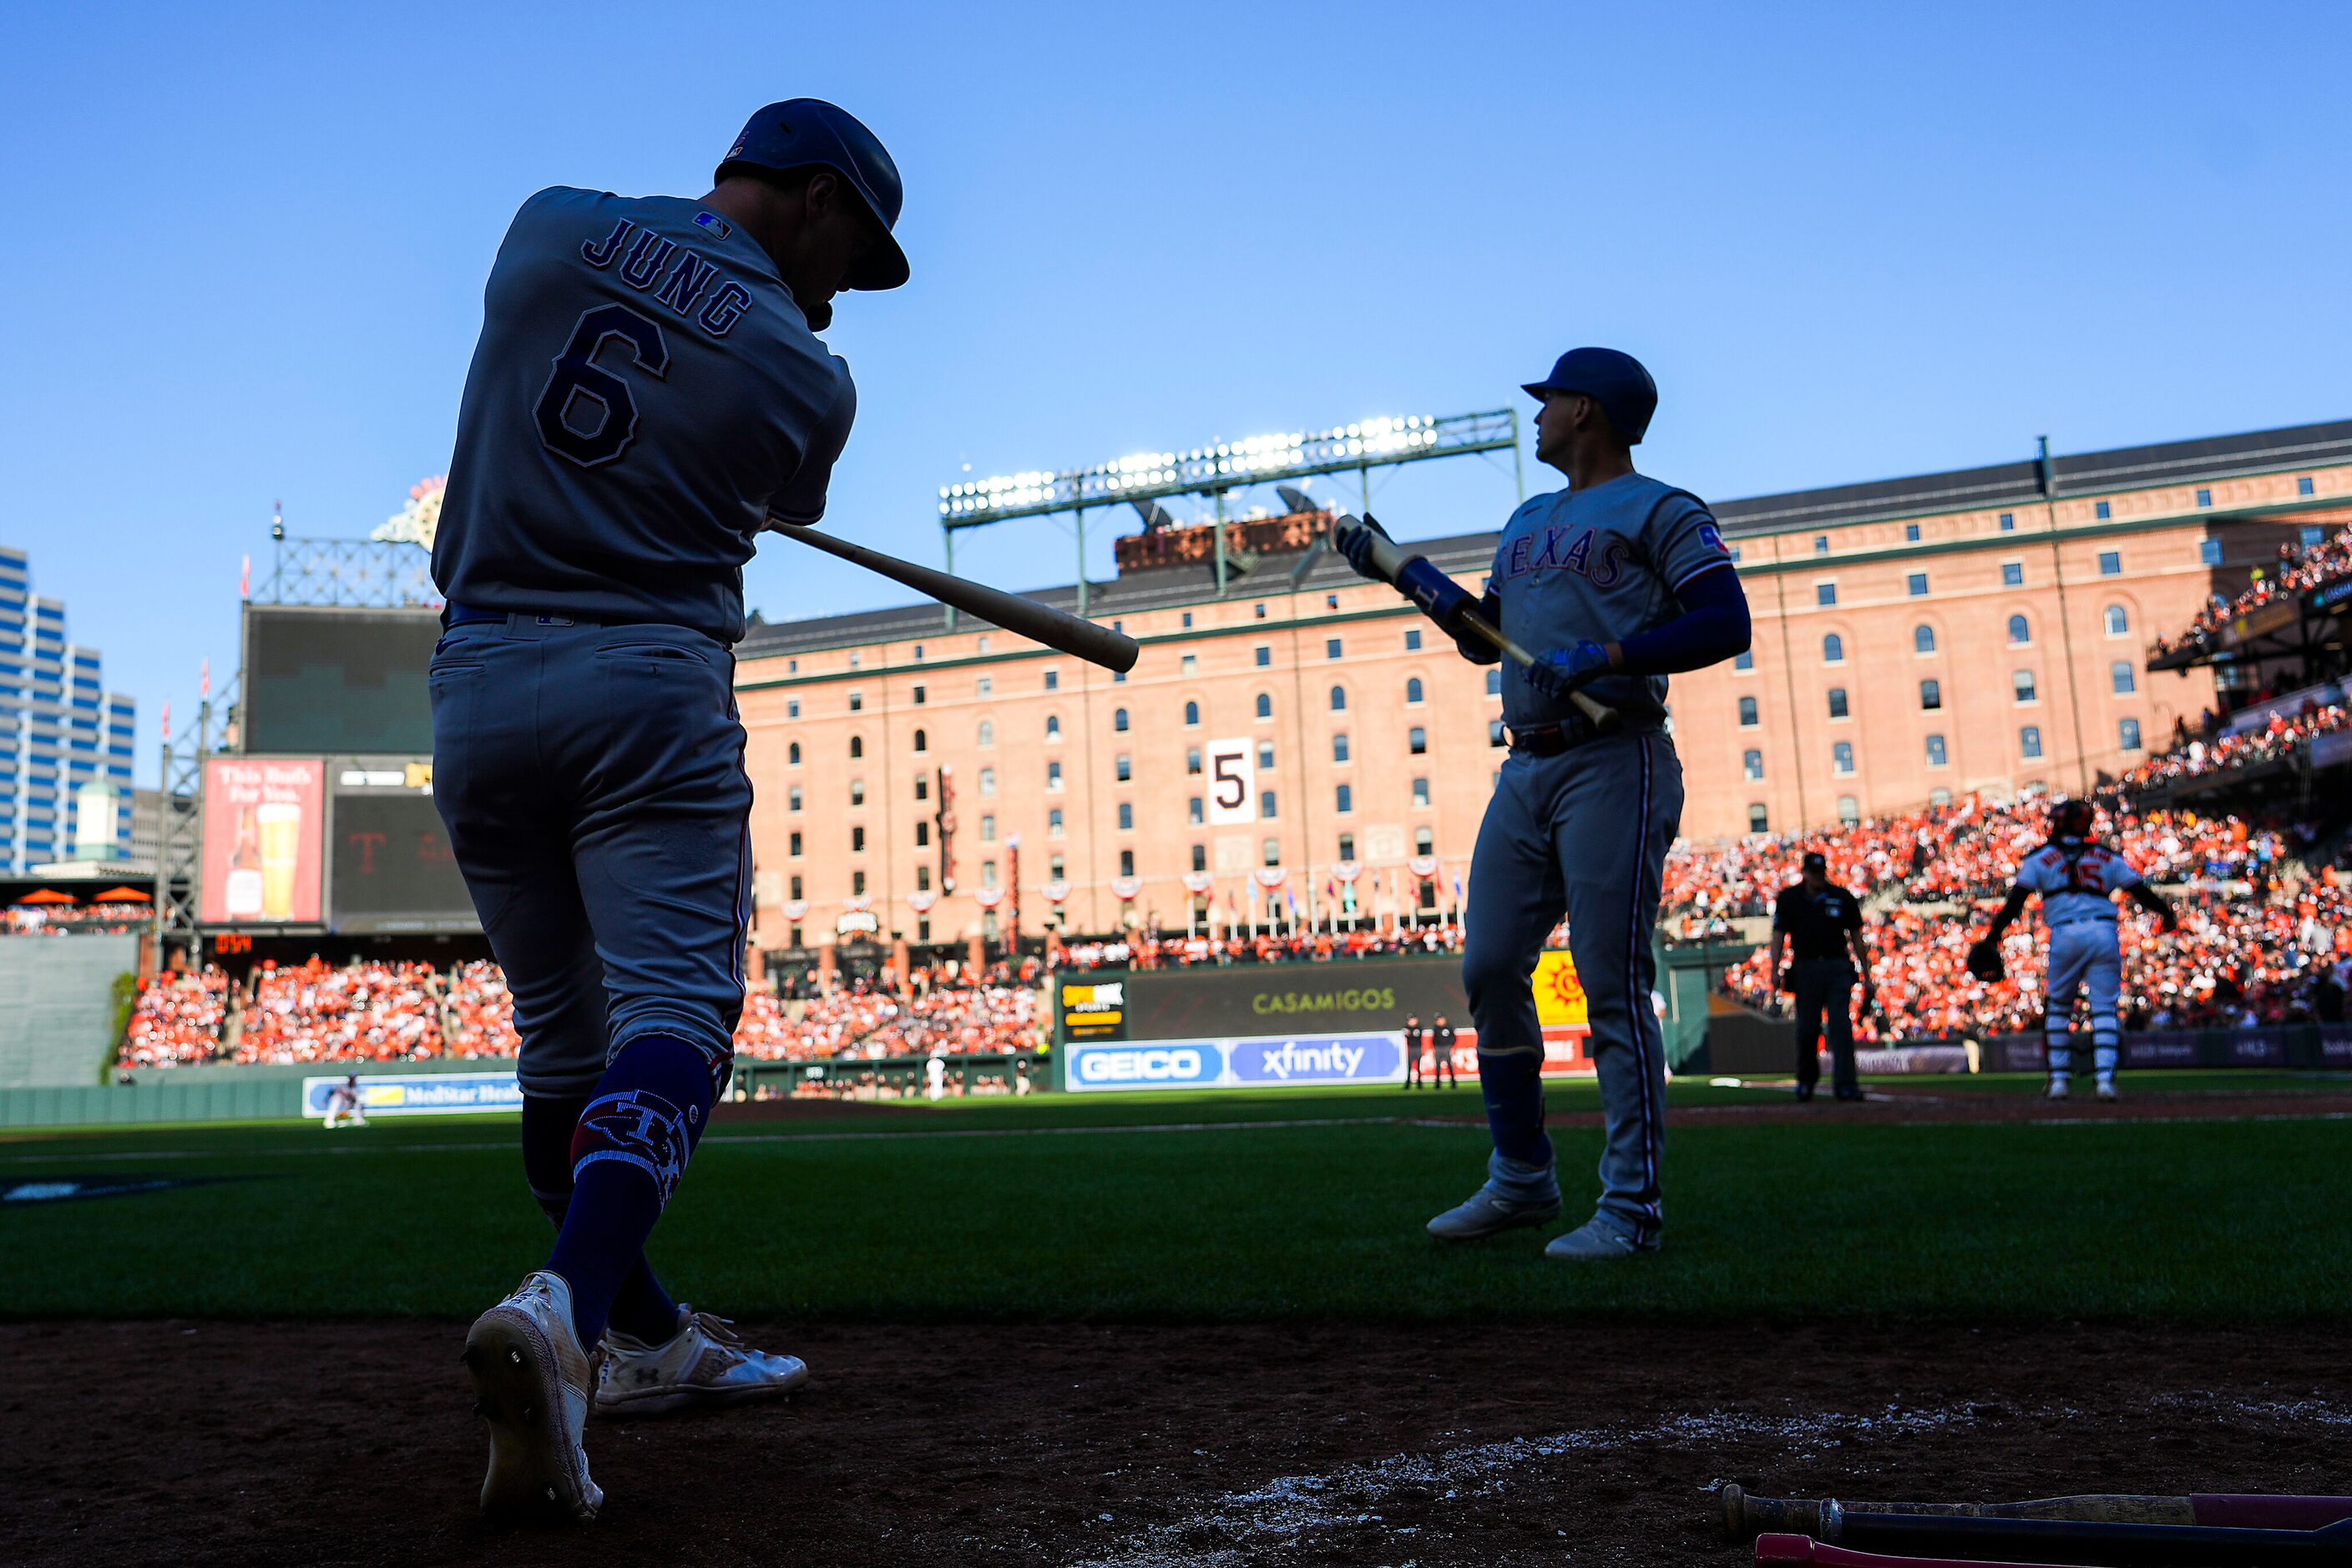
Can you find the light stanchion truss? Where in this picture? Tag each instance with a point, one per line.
(1141, 478)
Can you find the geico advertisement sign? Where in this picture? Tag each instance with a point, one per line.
(1177, 1065)
(1264, 1062)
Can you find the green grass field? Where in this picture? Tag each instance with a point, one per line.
(1272, 1204)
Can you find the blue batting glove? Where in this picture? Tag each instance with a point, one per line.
(1573, 669)
(1356, 545)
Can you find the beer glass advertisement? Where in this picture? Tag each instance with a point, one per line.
(262, 841)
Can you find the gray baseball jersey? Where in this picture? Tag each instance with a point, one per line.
(1597, 565)
(645, 393)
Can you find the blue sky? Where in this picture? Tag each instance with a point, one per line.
(249, 247)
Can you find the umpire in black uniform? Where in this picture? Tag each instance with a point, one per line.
(1412, 1042)
(1441, 1068)
(1822, 923)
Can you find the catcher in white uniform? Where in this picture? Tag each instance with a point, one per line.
(2077, 877)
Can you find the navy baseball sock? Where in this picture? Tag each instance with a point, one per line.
(627, 1155)
(642, 1308)
(1512, 1083)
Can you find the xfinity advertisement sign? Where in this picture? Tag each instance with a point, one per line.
(1263, 1061)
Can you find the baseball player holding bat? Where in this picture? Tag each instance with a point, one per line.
(2077, 877)
(1622, 581)
(648, 393)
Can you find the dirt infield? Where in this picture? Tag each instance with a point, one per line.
(1139, 1446)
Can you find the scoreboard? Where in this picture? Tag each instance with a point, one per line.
(326, 682)
(389, 865)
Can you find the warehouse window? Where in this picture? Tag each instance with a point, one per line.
(857, 791)
(2210, 551)
(1744, 659)
(922, 743)
(1346, 846)
(792, 706)
(857, 840)
(988, 780)
(1340, 747)
(921, 696)
(1931, 695)
(986, 685)
(1837, 702)
(922, 835)
(857, 746)
(1339, 700)
(1917, 583)
(988, 732)
(988, 829)
(858, 884)
(1119, 719)
(2009, 522)
(1126, 816)
(2021, 684)
(1331, 647)
(2111, 562)
(922, 787)
(1759, 819)
(2020, 631)
(1417, 739)
(1265, 756)
(856, 701)
(1821, 544)
(2303, 485)
(1124, 767)
(1265, 706)
(2125, 680)
(1747, 719)
(1126, 862)
(1052, 726)
(1849, 810)
(1923, 638)
(1940, 796)
(1262, 654)
(2127, 733)
(1842, 757)
(2029, 741)
(1495, 732)
(2012, 573)
(1200, 857)
(2118, 621)
(1192, 760)
(1911, 533)
(1425, 842)
(1053, 680)
(1192, 715)
(2204, 496)
(1412, 638)
(1413, 690)
(1935, 755)
(1824, 593)
(1752, 762)
(1192, 811)
(795, 850)
(1495, 680)
(1833, 649)
(1347, 799)
(1053, 776)
(1271, 851)
(1421, 791)
(793, 754)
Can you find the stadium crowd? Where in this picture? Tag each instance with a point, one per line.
(177, 1019)
(2254, 947)
(1152, 950)
(74, 920)
(2299, 567)
(2198, 756)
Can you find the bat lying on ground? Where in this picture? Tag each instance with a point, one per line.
(1744, 1516)
(1024, 618)
(1787, 1551)
(1390, 562)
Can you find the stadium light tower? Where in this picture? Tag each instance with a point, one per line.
(1143, 478)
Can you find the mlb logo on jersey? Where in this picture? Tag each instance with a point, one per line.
(717, 224)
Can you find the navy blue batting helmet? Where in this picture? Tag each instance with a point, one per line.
(804, 133)
(1614, 380)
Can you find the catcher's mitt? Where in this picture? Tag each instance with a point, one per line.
(1984, 961)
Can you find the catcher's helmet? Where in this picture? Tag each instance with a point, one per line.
(803, 132)
(2070, 819)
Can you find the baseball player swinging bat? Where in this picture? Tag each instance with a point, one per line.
(1398, 569)
(1022, 618)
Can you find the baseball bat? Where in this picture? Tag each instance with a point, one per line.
(1744, 1516)
(2098, 1542)
(1022, 618)
(1390, 561)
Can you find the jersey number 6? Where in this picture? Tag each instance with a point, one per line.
(577, 375)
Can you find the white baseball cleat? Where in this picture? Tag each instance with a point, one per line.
(530, 1383)
(2057, 1089)
(2107, 1091)
(1487, 1212)
(1594, 1242)
(705, 1363)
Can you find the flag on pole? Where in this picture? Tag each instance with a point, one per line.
(244, 579)
(204, 678)
(167, 717)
